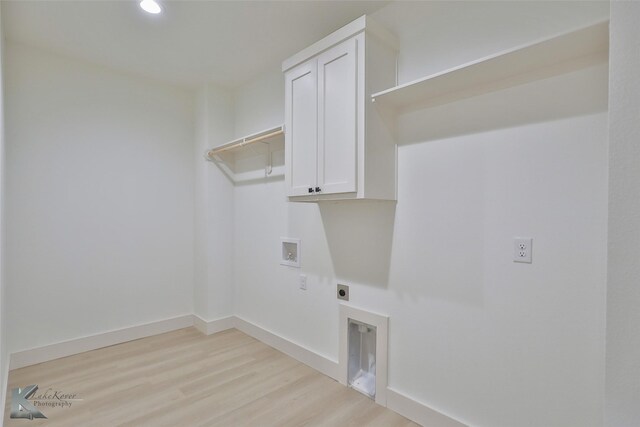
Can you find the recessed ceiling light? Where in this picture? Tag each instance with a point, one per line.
(150, 6)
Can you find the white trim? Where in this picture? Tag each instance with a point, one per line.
(381, 322)
(200, 324)
(351, 29)
(209, 327)
(46, 353)
(418, 412)
(302, 354)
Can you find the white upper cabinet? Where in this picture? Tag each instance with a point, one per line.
(337, 130)
(336, 143)
(301, 111)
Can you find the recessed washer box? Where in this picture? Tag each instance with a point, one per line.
(361, 369)
(290, 252)
(363, 351)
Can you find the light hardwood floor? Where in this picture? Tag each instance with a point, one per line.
(184, 378)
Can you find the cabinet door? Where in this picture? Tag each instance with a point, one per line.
(301, 122)
(337, 126)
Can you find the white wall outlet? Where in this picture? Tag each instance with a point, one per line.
(302, 282)
(522, 249)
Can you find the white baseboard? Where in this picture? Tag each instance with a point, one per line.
(46, 353)
(209, 327)
(298, 352)
(200, 324)
(396, 401)
(418, 412)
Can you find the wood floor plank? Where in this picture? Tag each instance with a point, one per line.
(185, 378)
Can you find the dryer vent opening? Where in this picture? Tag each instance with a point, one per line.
(362, 358)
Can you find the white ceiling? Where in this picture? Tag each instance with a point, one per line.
(191, 42)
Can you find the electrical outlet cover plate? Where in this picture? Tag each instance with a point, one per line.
(343, 292)
(522, 249)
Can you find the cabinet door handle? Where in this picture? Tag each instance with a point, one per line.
(318, 189)
(310, 190)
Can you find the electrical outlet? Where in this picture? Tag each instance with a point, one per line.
(343, 292)
(302, 283)
(522, 249)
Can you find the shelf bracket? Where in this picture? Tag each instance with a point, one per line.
(267, 137)
(269, 166)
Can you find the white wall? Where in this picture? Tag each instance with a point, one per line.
(623, 292)
(259, 104)
(487, 341)
(4, 354)
(463, 31)
(99, 201)
(101, 210)
(214, 210)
